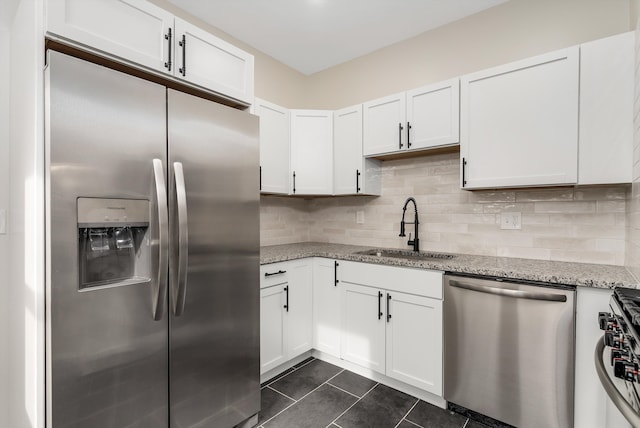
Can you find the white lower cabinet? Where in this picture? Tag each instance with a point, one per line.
(414, 340)
(272, 335)
(299, 307)
(326, 307)
(388, 330)
(285, 312)
(363, 326)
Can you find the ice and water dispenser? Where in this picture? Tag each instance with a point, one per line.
(113, 242)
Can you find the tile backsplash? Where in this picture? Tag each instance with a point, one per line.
(582, 224)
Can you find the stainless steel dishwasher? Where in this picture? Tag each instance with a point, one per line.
(509, 350)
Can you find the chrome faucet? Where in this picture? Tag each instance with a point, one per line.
(415, 241)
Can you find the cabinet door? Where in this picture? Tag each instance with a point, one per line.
(326, 307)
(363, 326)
(384, 125)
(133, 30)
(312, 152)
(433, 115)
(606, 110)
(212, 63)
(272, 334)
(414, 341)
(274, 147)
(347, 151)
(299, 307)
(519, 123)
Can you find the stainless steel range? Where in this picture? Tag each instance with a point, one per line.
(617, 355)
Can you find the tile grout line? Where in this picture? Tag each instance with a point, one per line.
(294, 369)
(281, 411)
(412, 423)
(356, 402)
(284, 395)
(301, 398)
(466, 423)
(343, 390)
(407, 414)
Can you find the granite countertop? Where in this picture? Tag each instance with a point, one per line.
(575, 274)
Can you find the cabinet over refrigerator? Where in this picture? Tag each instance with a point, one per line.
(152, 254)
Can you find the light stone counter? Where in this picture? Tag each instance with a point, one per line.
(552, 272)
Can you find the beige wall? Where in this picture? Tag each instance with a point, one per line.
(514, 30)
(274, 81)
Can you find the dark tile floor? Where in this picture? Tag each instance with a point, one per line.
(318, 394)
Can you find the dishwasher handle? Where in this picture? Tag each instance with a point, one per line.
(616, 397)
(518, 294)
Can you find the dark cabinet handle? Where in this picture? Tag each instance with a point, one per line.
(408, 135)
(400, 128)
(357, 181)
(294, 182)
(335, 273)
(260, 188)
(388, 313)
(286, 305)
(169, 37)
(183, 43)
(464, 164)
(379, 304)
(280, 272)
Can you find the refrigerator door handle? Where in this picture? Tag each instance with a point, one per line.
(179, 282)
(159, 286)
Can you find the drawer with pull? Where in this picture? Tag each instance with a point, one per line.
(273, 274)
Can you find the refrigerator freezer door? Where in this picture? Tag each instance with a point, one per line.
(107, 357)
(214, 380)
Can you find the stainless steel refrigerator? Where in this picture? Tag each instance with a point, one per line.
(152, 254)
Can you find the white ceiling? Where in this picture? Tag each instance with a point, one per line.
(312, 35)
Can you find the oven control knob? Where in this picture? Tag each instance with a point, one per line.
(621, 367)
(617, 353)
(611, 339)
(630, 374)
(604, 318)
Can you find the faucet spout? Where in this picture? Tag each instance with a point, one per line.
(415, 242)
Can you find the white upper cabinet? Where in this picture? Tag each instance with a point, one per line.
(422, 118)
(519, 123)
(433, 115)
(146, 35)
(311, 152)
(606, 110)
(352, 174)
(274, 147)
(384, 125)
(212, 63)
(133, 30)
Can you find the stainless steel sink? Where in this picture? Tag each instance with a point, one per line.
(406, 254)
